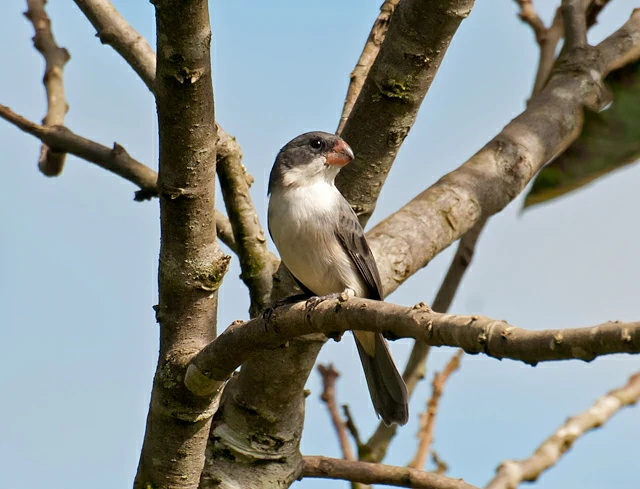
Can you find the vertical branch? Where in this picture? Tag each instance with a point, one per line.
(575, 23)
(50, 162)
(427, 419)
(369, 53)
(256, 261)
(329, 377)
(191, 264)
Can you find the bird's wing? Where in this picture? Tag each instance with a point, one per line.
(351, 236)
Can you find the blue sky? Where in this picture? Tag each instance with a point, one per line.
(78, 257)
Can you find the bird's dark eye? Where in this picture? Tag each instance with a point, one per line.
(316, 144)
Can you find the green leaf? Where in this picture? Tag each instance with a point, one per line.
(609, 140)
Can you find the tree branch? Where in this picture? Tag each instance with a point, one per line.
(368, 56)
(474, 334)
(257, 263)
(329, 377)
(113, 30)
(575, 24)
(50, 162)
(116, 160)
(386, 108)
(407, 240)
(427, 419)
(511, 473)
(529, 16)
(368, 473)
(191, 265)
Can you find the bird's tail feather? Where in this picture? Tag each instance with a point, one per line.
(386, 387)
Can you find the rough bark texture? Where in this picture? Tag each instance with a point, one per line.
(51, 162)
(418, 37)
(253, 444)
(474, 334)
(495, 175)
(191, 264)
(368, 473)
(256, 262)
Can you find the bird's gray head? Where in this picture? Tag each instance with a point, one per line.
(310, 156)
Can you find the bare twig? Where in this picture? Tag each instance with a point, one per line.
(351, 426)
(115, 160)
(528, 15)
(427, 419)
(441, 465)
(113, 30)
(329, 377)
(50, 162)
(511, 473)
(593, 10)
(256, 261)
(369, 53)
(548, 45)
(368, 473)
(474, 334)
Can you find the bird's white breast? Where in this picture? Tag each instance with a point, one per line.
(302, 221)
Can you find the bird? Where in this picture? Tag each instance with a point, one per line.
(323, 245)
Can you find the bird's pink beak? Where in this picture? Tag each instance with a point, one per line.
(340, 155)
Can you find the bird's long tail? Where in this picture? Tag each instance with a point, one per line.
(386, 387)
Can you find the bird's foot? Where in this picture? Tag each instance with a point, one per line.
(343, 296)
(291, 299)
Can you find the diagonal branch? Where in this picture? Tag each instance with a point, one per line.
(512, 472)
(528, 15)
(368, 56)
(407, 240)
(116, 160)
(329, 377)
(113, 30)
(256, 262)
(387, 106)
(427, 419)
(50, 162)
(474, 334)
(368, 473)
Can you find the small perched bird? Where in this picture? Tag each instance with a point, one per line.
(323, 245)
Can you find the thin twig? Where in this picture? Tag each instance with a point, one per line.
(329, 376)
(441, 465)
(50, 162)
(351, 425)
(256, 262)
(528, 15)
(512, 472)
(548, 45)
(115, 159)
(427, 419)
(369, 473)
(368, 56)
